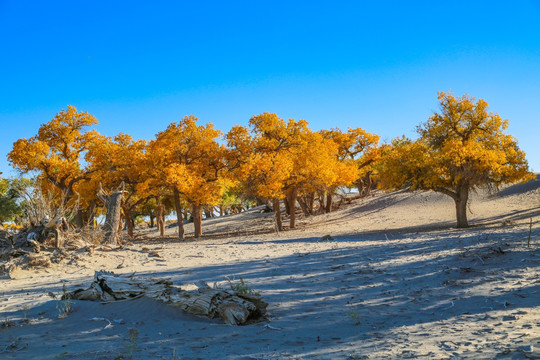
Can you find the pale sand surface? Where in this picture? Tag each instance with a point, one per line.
(398, 281)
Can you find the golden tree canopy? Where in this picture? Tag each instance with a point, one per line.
(460, 148)
(55, 152)
(191, 159)
(287, 154)
(355, 146)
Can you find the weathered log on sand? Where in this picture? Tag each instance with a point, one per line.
(232, 307)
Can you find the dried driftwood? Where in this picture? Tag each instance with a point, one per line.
(25, 249)
(46, 231)
(232, 307)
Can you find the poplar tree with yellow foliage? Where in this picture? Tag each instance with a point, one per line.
(119, 162)
(191, 162)
(274, 147)
(461, 148)
(55, 153)
(291, 160)
(357, 148)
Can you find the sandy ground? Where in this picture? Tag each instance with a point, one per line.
(397, 281)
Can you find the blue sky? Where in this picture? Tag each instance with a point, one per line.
(140, 65)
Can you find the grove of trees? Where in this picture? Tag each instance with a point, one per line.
(196, 169)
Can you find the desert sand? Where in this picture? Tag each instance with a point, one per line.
(396, 281)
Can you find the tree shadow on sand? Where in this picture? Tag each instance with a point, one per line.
(326, 304)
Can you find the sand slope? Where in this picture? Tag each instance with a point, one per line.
(398, 281)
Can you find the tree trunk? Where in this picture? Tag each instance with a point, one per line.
(113, 204)
(152, 217)
(90, 213)
(160, 217)
(329, 200)
(369, 184)
(179, 219)
(292, 207)
(79, 219)
(360, 186)
(121, 226)
(306, 203)
(303, 205)
(129, 221)
(61, 229)
(287, 206)
(277, 213)
(197, 220)
(320, 199)
(461, 207)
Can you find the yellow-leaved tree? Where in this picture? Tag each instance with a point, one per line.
(191, 163)
(461, 148)
(55, 152)
(290, 160)
(119, 162)
(316, 169)
(358, 148)
(272, 162)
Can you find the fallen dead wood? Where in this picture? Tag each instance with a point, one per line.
(232, 307)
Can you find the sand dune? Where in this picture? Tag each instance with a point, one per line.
(398, 281)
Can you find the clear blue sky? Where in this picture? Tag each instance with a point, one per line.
(140, 65)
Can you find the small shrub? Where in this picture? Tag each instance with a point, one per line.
(65, 304)
(133, 336)
(241, 287)
(6, 323)
(355, 315)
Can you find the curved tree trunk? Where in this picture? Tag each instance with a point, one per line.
(369, 184)
(277, 214)
(303, 205)
(179, 219)
(197, 220)
(306, 203)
